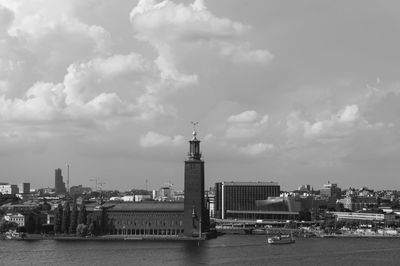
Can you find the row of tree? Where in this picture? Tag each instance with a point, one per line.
(67, 219)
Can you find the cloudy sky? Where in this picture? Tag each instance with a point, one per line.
(297, 92)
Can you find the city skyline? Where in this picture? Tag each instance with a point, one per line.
(295, 93)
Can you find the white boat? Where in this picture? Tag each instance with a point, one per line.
(281, 239)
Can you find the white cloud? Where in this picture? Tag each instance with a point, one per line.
(153, 139)
(242, 53)
(44, 101)
(336, 126)
(92, 89)
(256, 148)
(245, 125)
(244, 117)
(349, 114)
(168, 26)
(120, 64)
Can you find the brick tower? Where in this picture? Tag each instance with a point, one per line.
(195, 220)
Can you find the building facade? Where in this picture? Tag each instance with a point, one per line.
(195, 212)
(7, 189)
(59, 185)
(330, 190)
(241, 196)
(15, 218)
(357, 203)
(24, 188)
(140, 219)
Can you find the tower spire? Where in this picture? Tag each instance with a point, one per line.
(194, 129)
(194, 145)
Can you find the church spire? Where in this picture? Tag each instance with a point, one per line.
(194, 145)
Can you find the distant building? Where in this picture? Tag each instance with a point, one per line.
(15, 218)
(59, 185)
(330, 190)
(24, 188)
(356, 203)
(22, 208)
(358, 216)
(304, 188)
(128, 198)
(164, 193)
(139, 198)
(7, 189)
(241, 196)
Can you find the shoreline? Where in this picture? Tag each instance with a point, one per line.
(38, 237)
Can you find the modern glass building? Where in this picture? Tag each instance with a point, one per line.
(242, 196)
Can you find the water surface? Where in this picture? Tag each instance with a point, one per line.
(225, 250)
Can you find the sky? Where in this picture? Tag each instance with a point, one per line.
(295, 92)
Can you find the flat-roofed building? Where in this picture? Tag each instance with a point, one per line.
(356, 203)
(361, 216)
(59, 185)
(330, 190)
(24, 188)
(241, 196)
(7, 189)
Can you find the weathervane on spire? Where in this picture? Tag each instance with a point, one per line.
(194, 128)
(194, 125)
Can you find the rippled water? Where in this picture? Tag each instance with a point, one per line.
(225, 250)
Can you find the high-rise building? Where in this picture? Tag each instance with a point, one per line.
(196, 217)
(24, 188)
(59, 185)
(242, 196)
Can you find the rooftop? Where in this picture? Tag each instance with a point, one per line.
(140, 206)
(259, 183)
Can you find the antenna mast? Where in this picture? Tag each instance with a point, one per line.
(67, 177)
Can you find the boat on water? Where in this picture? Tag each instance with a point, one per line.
(281, 239)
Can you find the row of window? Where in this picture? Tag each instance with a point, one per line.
(149, 223)
(147, 232)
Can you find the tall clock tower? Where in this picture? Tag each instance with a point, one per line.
(195, 213)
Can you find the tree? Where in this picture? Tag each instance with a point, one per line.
(58, 214)
(74, 218)
(92, 228)
(82, 218)
(30, 222)
(82, 230)
(5, 226)
(66, 217)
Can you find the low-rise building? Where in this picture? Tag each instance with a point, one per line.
(8, 189)
(16, 218)
(359, 216)
(356, 203)
(330, 190)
